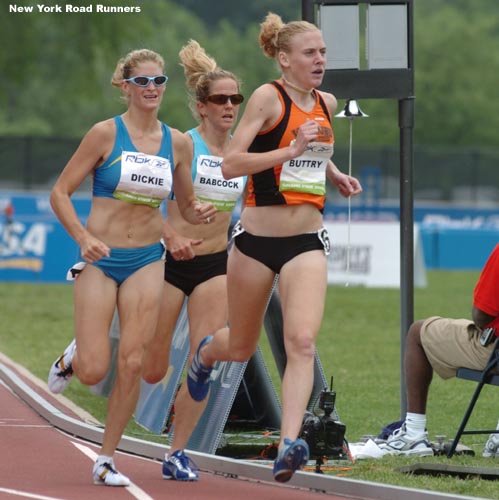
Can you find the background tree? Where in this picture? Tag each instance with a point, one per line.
(57, 67)
(240, 14)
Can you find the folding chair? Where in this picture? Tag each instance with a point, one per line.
(489, 375)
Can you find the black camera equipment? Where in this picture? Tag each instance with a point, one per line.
(324, 435)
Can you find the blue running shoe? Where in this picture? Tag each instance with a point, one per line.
(178, 466)
(198, 375)
(292, 456)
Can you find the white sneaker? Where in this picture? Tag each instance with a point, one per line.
(399, 443)
(106, 475)
(61, 370)
(491, 449)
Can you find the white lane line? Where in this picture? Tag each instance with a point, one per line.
(133, 489)
(25, 494)
(2, 424)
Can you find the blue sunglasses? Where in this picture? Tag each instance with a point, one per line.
(144, 81)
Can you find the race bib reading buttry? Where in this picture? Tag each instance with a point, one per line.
(307, 172)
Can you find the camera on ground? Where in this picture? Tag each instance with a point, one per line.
(324, 434)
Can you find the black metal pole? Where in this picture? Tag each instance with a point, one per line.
(397, 83)
(307, 10)
(406, 124)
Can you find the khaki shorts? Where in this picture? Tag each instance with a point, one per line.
(450, 344)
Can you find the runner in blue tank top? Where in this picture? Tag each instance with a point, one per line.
(135, 161)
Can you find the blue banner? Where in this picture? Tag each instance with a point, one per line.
(34, 246)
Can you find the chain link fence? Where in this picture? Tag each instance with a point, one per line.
(455, 176)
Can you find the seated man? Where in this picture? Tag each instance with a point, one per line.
(443, 345)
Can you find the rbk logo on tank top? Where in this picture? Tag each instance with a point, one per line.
(145, 179)
(211, 187)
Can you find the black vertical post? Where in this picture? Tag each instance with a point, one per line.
(406, 124)
(390, 83)
(307, 10)
(28, 163)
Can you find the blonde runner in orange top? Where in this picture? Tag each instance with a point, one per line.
(302, 179)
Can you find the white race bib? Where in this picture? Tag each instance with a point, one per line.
(307, 172)
(145, 179)
(211, 187)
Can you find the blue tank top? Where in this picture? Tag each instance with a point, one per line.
(132, 176)
(200, 148)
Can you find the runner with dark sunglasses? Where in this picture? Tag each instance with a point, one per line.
(196, 259)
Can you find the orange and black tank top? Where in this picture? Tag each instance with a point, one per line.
(302, 179)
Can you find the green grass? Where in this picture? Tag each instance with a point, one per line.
(359, 345)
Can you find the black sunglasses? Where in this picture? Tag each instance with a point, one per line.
(144, 81)
(223, 98)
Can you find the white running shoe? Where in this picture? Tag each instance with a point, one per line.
(61, 370)
(491, 449)
(105, 474)
(399, 443)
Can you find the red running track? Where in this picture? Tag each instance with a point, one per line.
(41, 462)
